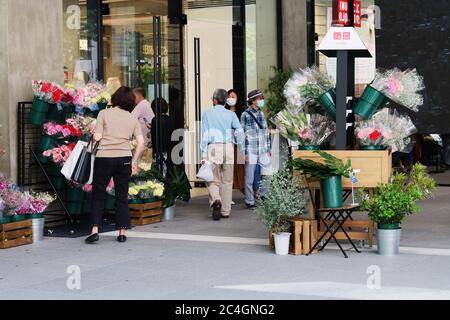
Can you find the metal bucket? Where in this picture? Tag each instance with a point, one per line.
(388, 241)
(282, 241)
(169, 213)
(38, 229)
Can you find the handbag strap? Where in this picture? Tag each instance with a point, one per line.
(254, 118)
(93, 146)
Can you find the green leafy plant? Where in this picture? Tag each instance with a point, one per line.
(177, 186)
(392, 202)
(331, 166)
(285, 199)
(276, 100)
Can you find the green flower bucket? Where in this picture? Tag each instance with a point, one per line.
(309, 148)
(389, 226)
(150, 200)
(42, 159)
(54, 114)
(102, 106)
(135, 201)
(55, 170)
(332, 192)
(68, 109)
(18, 217)
(373, 148)
(35, 216)
(110, 202)
(370, 101)
(74, 208)
(87, 206)
(59, 182)
(328, 101)
(37, 118)
(40, 105)
(46, 143)
(5, 220)
(74, 194)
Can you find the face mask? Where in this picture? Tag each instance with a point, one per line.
(231, 102)
(261, 104)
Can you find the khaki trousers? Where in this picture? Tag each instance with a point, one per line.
(221, 157)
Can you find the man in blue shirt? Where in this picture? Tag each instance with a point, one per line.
(220, 130)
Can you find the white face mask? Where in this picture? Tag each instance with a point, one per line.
(231, 102)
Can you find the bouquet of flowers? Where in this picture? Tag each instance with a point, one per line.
(13, 199)
(369, 135)
(61, 131)
(402, 87)
(304, 128)
(84, 124)
(400, 126)
(145, 190)
(59, 155)
(306, 86)
(47, 91)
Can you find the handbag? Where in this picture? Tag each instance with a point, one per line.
(69, 167)
(84, 169)
(206, 172)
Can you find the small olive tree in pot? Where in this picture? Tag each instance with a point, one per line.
(390, 203)
(284, 200)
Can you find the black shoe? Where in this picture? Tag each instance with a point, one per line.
(250, 206)
(217, 207)
(92, 238)
(225, 217)
(122, 239)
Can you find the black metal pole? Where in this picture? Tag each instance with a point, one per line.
(351, 13)
(341, 99)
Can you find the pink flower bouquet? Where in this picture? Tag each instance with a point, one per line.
(59, 155)
(370, 136)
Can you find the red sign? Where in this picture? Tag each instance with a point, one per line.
(341, 12)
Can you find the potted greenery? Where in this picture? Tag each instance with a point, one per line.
(392, 202)
(284, 200)
(330, 174)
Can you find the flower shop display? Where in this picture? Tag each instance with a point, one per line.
(373, 138)
(308, 86)
(91, 97)
(402, 87)
(310, 131)
(392, 202)
(284, 200)
(45, 95)
(330, 173)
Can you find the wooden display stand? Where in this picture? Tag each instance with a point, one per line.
(146, 213)
(372, 167)
(16, 234)
(304, 235)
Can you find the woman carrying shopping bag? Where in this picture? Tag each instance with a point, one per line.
(114, 131)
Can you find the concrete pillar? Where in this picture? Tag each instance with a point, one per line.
(31, 37)
(295, 53)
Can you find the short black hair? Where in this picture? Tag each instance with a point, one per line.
(124, 98)
(164, 106)
(140, 91)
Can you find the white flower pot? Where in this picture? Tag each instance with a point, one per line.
(388, 241)
(282, 241)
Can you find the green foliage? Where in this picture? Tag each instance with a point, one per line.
(276, 100)
(285, 199)
(392, 202)
(332, 166)
(176, 184)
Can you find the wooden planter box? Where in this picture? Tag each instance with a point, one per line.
(146, 213)
(303, 237)
(16, 234)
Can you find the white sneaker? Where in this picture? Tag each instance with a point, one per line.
(233, 203)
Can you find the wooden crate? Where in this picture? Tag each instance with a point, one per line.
(16, 234)
(147, 213)
(303, 237)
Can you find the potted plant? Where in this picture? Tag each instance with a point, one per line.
(176, 186)
(284, 200)
(389, 205)
(330, 173)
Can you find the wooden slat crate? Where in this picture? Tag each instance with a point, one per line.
(16, 234)
(303, 237)
(147, 213)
